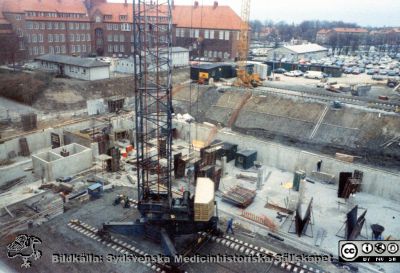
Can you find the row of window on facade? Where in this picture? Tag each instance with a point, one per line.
(122, 27)
(117, 38)
(50, 14)
(207, 33)
(118, 48)
(38, 38)
(57, 25)
(216, 54)
(40, 50)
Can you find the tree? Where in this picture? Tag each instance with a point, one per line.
(10, 49)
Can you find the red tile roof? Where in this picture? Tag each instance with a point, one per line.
(324, 31)
(64, 6)
(220, 17)
(351, 30)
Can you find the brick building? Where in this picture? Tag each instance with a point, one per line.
(324, 35)
(84, 27)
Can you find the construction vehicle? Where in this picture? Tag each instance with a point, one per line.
(243, 77)
(163, 217)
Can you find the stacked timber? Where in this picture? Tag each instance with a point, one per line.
(204, 199)
(239, 196)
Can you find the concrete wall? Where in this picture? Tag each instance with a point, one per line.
(378, 182)
(99, 73)
(54, 166)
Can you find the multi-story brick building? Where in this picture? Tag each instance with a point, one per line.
(82, 27)
(324, 35)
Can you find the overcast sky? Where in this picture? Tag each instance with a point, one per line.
(363, 12)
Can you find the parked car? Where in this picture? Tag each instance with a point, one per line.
(355, 71)
(383, 72)
(370, 72)
(298, 73)
(313, 75)
(279, 71)
(378, 77)
(391, 73)
(289, 74)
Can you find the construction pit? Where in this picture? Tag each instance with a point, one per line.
(39, 201)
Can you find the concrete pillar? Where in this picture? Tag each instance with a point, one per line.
(223, 166)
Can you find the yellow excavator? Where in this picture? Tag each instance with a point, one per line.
(243, 77)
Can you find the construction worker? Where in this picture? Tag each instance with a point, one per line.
(319, 164)
(229, 226)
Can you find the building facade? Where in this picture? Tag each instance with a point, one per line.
(86, 27)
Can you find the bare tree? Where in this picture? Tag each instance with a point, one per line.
(10, 49)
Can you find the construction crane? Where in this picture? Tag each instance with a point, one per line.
(243, 77)
(162, 216)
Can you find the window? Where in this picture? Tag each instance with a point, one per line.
(62, 37)
(121, 38)
(98, 19)
(115, 38)
(110, 48)
(41, 49)
(29, 25)
(50, 38)
(210, 54)
(211, 34)
(51, 49)
(56, 38)
(83, 48)
(40, 38)
(42, 25)
(56, 25)
(21, 45)
(88, 37)
(177, 32)
(191, 33)
(36, 25)
(72, 48)
(196, 33)
(215, 54)
(205, 53)
(115, 48)
(109, 26)
(78, 48)
(77, 26)
(219, 54)
(125, 27)
(122, 48)
(109, 37)
(71, 26)
(84, 71)
(20, 33)
(71, 37)
(83, 36)
(62, 25)
(87, 26)
(49, 25)
(227, 35)
(206, 34)
(221, 35)
(77, 37)
(18, 17)
(63, 49)
(29, 38)
(107, 17)
(182, 32)
(115, 26)
(123, 17)
(83, 26)
(35, 50)
(58, 49)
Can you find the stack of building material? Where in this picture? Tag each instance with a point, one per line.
(204, 199)
(321, 177)
(239, 196)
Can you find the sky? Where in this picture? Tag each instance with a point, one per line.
(363, 12)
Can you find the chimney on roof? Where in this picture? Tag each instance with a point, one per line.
(215, 4)
(126, 3)
(196, 4)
